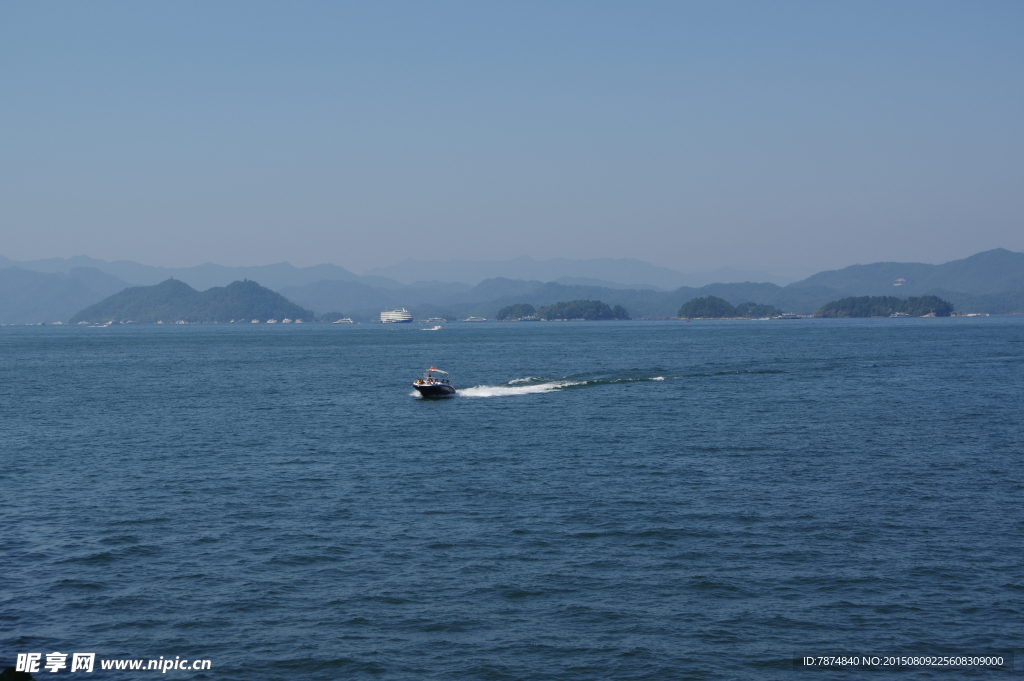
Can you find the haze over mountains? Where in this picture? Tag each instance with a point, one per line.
(608, 272)
(56, 289)
(200, 277)
(28, 297)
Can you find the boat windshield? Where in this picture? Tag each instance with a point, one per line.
(434, 376)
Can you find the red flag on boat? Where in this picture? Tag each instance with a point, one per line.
(434, 369)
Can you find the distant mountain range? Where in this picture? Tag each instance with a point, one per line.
(56, 289)
(200, 277)
(606, 272)
(994, 271)
(992, 281)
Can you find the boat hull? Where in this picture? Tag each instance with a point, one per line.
(435, 390)
(398, 316)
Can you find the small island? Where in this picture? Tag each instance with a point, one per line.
(174, 301)
(713, 307)
(513, 313)
(574, 310)
(886, 306)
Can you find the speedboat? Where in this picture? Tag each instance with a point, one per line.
(435, 383)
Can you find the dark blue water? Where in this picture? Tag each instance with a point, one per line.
(632, 500)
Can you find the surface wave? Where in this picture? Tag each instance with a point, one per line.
(506, 390)
(531, 385)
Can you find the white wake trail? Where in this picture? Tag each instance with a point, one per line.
(505, 390)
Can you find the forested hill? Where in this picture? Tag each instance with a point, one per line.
(885, 306)
(174, 301)
(582, 309)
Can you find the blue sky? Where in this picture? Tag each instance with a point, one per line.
(787, 137)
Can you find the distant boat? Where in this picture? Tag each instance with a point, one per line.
(343, 320)
(434, 383)
(475, 319)
(271, 321)
(529, 318)
(899, 314)
(435, 320)
(286, 321)
(788, 315)
(433, 328)
(399, 316)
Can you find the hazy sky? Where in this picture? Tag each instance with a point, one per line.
(787, 137)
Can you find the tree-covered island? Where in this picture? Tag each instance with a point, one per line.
(175, 301)
(886, 306)
(713, 307)
(587, 310)
(513, 313)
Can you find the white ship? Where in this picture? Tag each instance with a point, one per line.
(399, 316)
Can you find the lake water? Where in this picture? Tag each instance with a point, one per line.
(603, 500)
